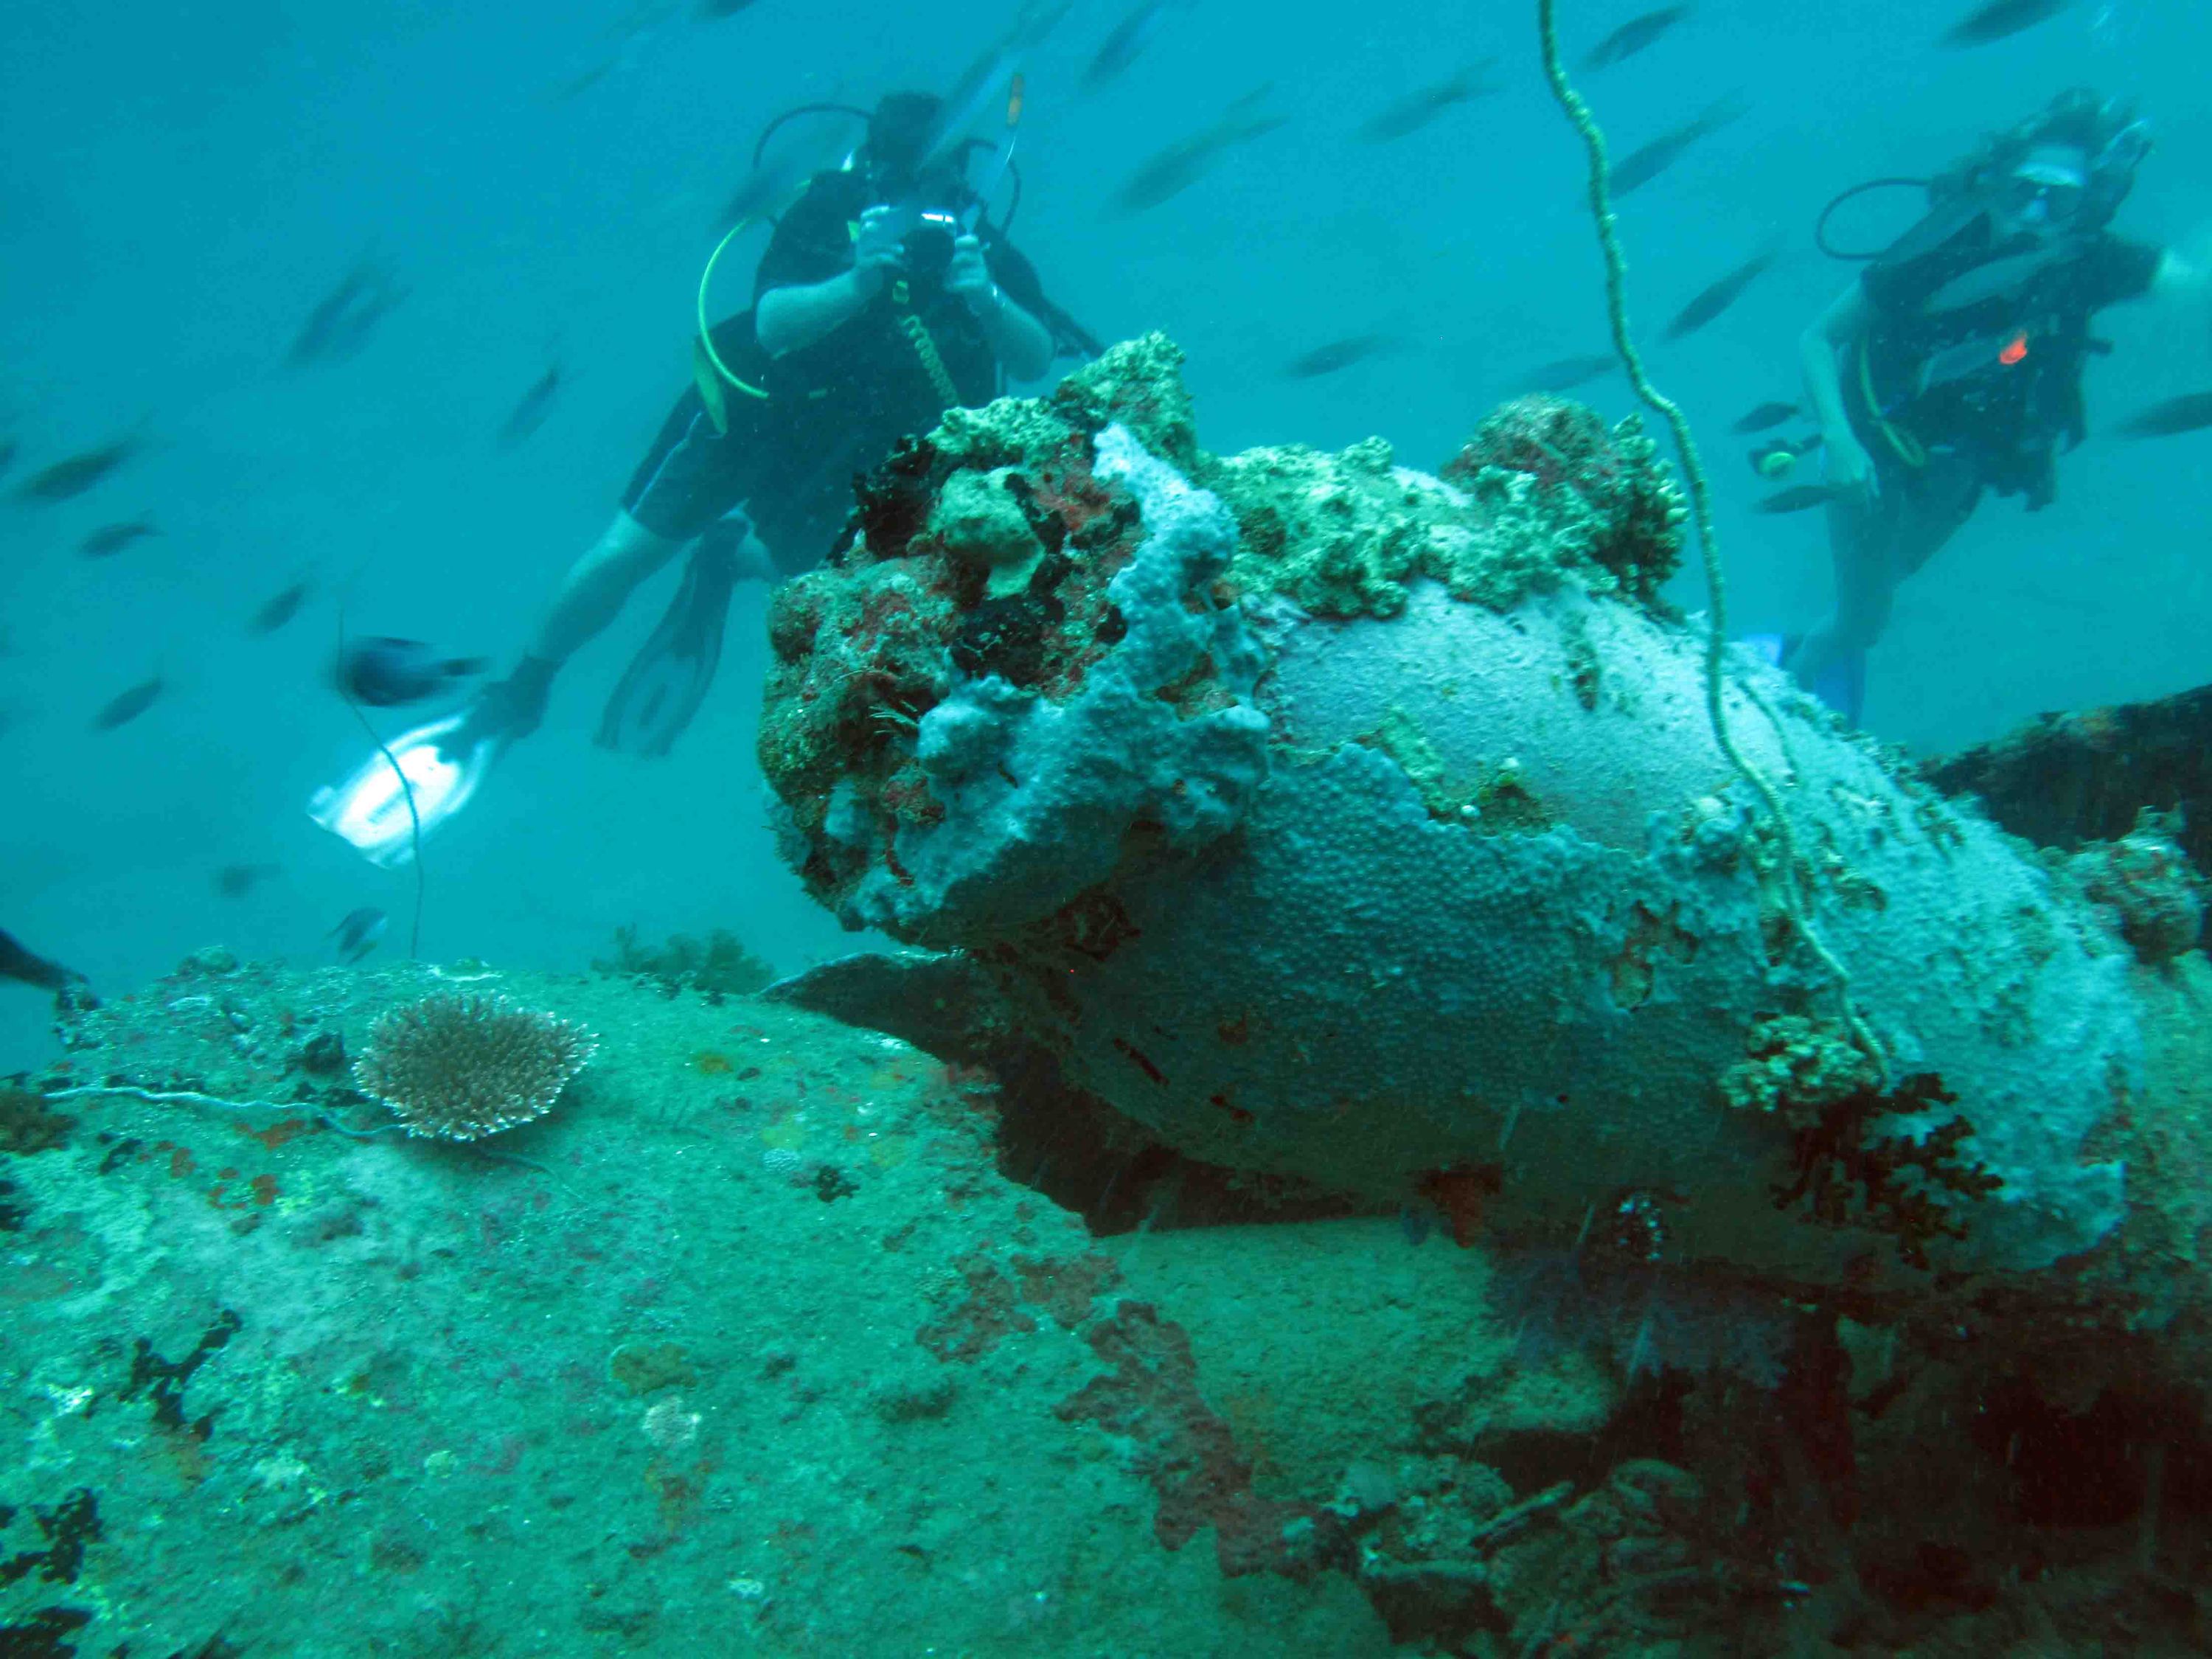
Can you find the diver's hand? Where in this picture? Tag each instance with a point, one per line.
(1850, 471)
(969, 277)
(878, 251)
(505, 711)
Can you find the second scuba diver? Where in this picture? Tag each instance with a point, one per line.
(1953, 366)
(884, 300)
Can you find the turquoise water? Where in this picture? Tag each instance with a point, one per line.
(185, 188)
(539, 189)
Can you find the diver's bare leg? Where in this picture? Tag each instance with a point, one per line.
(1860, 535)
(1873, 546)
(597, 586)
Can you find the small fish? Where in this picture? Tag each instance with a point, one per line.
(1130, 37)
(1633, 36)
(1181, 165)
(2190, 412)
(577, 86)
(530, 413)
(714, 9)
(796, 153)
(1996, 276)
(1414, 111)
(75, 474)
(386, 673)
(126, 707)
(1565, 374)
(983, 85)
(1717, 296)
(1796, 499)
(278, 609)
(1646, 162)
(7, 453)
(237, 880)
(358, 933)
(19, 963)
(1336, 356)
(1999, 18)
(342, 319)
(1766, 415)
(111, 538)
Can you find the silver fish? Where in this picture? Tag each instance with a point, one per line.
(1716, 297)
(1633, 36)
(126, 707)
(389, 673)
(1337, 356)
(985, 83)
(530, 412)
(1565, 374)
(358, 933)
(1130, 37)
(237, 880)
(2190, 412)
(1176, 169)
(111, 538)
(1647, 161)
(278, 609)
(1997, 276)
(344, 319)
(2000, 18)
(1765, 415)
(73, 474)
(1410, 113)
(1796, 499)
(796, 151)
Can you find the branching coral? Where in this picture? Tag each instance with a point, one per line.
(461, 1067)
(1907, 1185)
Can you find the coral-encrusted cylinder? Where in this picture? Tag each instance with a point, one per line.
(1341, 821)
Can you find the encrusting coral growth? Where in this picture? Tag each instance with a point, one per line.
(460, 1067)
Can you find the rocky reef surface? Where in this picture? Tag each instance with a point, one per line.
(772, 1337)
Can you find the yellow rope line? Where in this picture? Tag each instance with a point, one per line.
(1693, 471)
(933, 361)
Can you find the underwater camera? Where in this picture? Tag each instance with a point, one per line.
(929, 243)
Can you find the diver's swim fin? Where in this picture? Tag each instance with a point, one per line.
(1842, 686)
(663, 687)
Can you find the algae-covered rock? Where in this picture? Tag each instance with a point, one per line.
(750, 1346)
(1348, 535)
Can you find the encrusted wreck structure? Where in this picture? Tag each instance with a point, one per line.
(1365, 828)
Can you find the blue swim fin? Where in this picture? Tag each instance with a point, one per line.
(663, 686)
(1842, 683)
(1842, 686)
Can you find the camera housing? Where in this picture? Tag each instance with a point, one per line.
(929, 243)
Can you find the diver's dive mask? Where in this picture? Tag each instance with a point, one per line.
(2048, 189)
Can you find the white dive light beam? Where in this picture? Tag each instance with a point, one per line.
(369, 808)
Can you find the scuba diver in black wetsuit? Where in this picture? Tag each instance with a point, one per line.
(883, 299)
(1953, 366)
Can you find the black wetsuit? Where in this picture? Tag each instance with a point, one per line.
(834, 408)
(1972, 364)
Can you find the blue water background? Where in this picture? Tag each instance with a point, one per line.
(181, 185)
